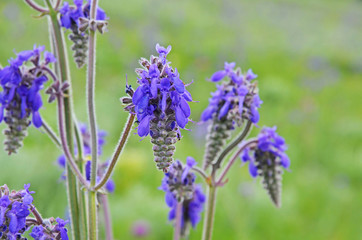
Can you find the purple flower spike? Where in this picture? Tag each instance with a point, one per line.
(235, 102)
(20, 100)
(179, 186)
(161, 103)
(267, 161)
(236, 99)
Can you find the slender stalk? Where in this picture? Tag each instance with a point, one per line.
(36, 214)
(36, 7)
(82, 194)
(200, 171)
(57, 4)
(50, 72)
(231, 146)
(178, 222)
(79, 140)
(50, 132)
(92, 228)
(251, 143)
(64, 75)
(70, 160)
(107, 217)
(121, 143)
(209, 214)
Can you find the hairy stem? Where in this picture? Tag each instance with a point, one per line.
(50, 132)
(231, 146)
(178, 221)
(82, 194)
(209, 214)
(121, 143)
(68, 155)
(35, 6)
(200, 171)
(64, 75)
(92, 228)
(251, 143)
(107, 217)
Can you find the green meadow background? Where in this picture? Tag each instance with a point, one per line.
(308, 57)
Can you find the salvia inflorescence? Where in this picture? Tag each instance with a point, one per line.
(20, 99)
(235, 102)
(75, 17)
(180, 187)
(16, 207)
(160, 105)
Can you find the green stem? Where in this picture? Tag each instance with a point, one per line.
(93, 225)
(72, 188)
(209, 214)
(178, 221)
(82, 194)
(50, 132)
(231, 146)
(117, 152)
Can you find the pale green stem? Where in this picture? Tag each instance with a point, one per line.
(107, 217)
(178, 221)
(50, 132)
(117, 152)
(209, 214)
(93, 221)
(64, 75)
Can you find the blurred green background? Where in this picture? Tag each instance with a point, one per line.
(308, 57)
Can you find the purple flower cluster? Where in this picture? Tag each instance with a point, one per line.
(70, 15)
(51, 232)
(266, 161)
(271, 144)
(110, 185)
(161, 105)
(161, 94)
(14, 208)
(20, 96)
(21, 85)
(179, 185)
(236, 99)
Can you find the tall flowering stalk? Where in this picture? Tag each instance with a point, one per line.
(237, 101)
(160, 106)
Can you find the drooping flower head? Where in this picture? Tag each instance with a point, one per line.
(161, 105)
(234, 101)
(75, 17)
(266, 159)
(179, 185)
(21, 82)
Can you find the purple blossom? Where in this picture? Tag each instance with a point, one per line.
(14, 208)
(161, 94)
(236, 99)
(22, 81)
(21, 87)
(271, 146)
(179, 186)
(70, 15)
